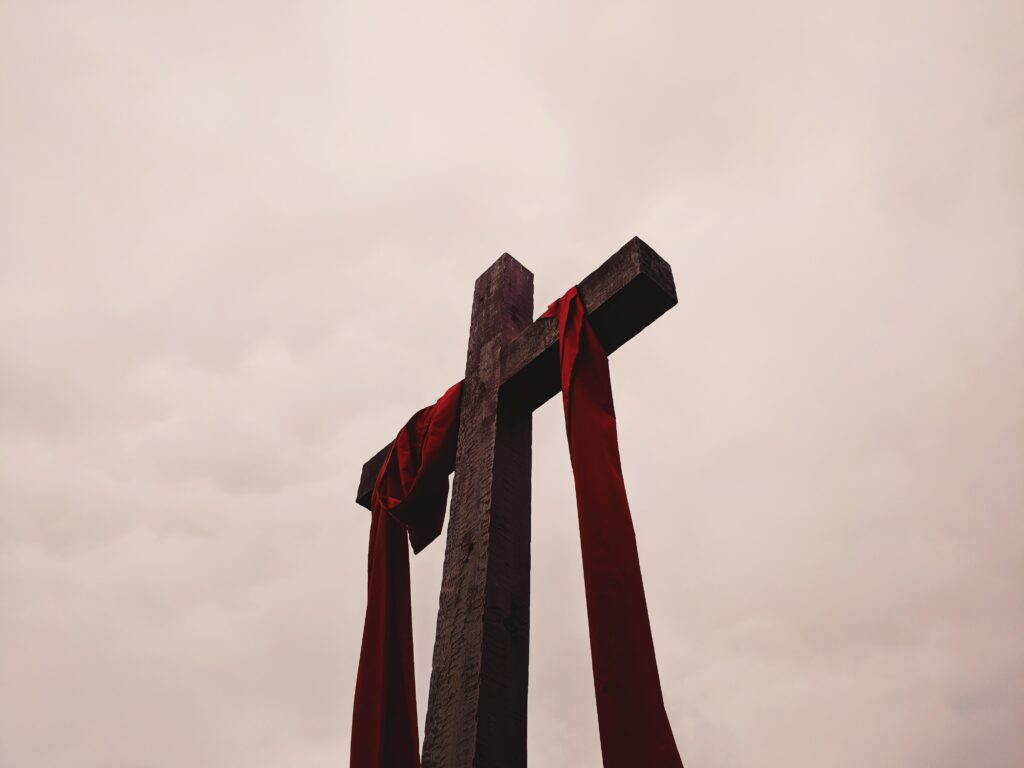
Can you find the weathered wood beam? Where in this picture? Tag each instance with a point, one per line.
(623, 296)
(476, 711)
(631, 290)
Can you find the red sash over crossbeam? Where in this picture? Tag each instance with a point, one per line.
(410, 495)
(408, 498)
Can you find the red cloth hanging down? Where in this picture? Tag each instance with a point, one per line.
(634, 727)
(408, 501)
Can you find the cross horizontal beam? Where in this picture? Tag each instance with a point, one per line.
(631, 290)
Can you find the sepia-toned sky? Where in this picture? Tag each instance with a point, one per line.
(238, 243)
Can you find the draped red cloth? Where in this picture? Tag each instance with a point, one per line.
(408, 502)
(409, 499)
(631, 717)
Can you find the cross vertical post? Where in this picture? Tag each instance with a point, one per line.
(476, 712)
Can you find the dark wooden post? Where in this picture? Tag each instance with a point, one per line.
(476, 714)
(476, 711)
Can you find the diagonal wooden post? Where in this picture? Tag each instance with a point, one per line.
(476, 712)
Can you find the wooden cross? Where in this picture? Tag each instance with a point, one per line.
(476, 709)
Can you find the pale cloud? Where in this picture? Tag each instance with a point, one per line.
(238, 244)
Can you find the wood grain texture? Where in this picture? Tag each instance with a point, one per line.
(476, 711)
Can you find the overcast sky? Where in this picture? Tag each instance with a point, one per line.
(238, 243)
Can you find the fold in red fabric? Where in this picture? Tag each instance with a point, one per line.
(408, 502)
(633, 725)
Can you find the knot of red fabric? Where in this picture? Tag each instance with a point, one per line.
(408, 502)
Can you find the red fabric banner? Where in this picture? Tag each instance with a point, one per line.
(408, 502)
(634, 727)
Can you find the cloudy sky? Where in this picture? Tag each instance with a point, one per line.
(237, 248)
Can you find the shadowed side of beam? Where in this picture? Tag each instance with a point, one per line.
(631, 290)
(628, 292)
